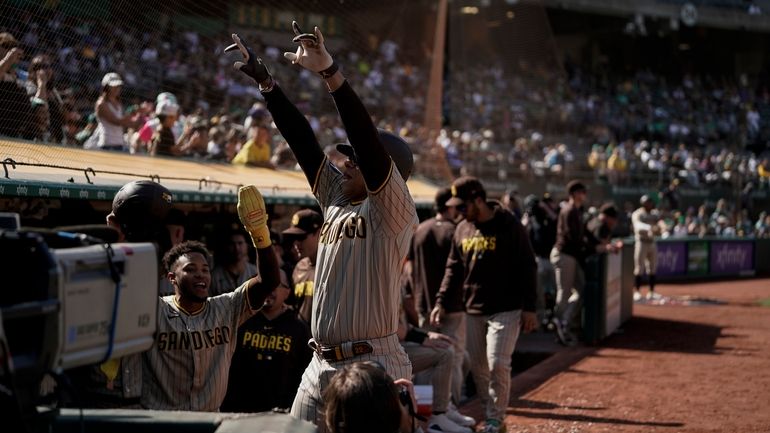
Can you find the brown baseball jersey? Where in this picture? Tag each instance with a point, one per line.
(187, 367)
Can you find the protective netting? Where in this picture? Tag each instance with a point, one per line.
(64, 59)
(511, 91)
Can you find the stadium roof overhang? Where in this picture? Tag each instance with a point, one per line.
(47, 171)
(706, 14)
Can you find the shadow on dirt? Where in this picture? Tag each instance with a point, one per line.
(649, 334)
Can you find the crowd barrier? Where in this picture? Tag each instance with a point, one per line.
(608, 295)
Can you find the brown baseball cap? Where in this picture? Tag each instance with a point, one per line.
(465, 188)
(304, 222)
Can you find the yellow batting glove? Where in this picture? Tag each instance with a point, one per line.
(253, 215)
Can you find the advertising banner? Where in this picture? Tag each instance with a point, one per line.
(672, 258)
(732, 257)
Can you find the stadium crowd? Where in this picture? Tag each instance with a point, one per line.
(186, 120)
(531, 121)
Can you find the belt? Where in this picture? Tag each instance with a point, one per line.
(341, 352)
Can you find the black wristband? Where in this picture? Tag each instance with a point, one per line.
(331, 70)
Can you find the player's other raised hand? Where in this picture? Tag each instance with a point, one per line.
(251, 64)
(311, 53)
(253, 215)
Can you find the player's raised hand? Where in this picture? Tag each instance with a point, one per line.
(251, 64)
(253, 215)
(311, 53)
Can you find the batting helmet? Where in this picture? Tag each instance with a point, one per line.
(141, 208)
(645, 199)
(397, 148)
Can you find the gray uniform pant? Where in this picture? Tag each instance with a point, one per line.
(439, 362)
(453, 325)
(308, 403)
(546, 282)
(491, 340)
(570, 280)
(645, 257)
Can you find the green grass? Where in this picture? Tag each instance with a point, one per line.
(764, 302)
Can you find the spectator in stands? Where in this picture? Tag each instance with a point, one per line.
(84, 134)
(257, 150)
(164, 142)
(41, 122)
(110, 117)
(763, 172)
(617, 167)
(232, 144)
(670, 196)
(720, 210)
(15, 116)
(195, 138)
(232, 266)
(141, 140)
(41, 87)
(762, 227)
(283, 157)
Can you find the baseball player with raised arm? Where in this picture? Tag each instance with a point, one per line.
(369, 220)
(187, 366)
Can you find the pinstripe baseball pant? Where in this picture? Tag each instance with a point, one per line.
(308, 404)
(439, 362)
(453, 325)
(491, 340)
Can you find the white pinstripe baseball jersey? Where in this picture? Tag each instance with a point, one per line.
(187, 367)
(361, 248)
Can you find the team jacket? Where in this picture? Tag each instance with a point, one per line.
(430, 248)
(492, 263)
(267, 366)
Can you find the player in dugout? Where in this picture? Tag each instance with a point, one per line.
(369, 219)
